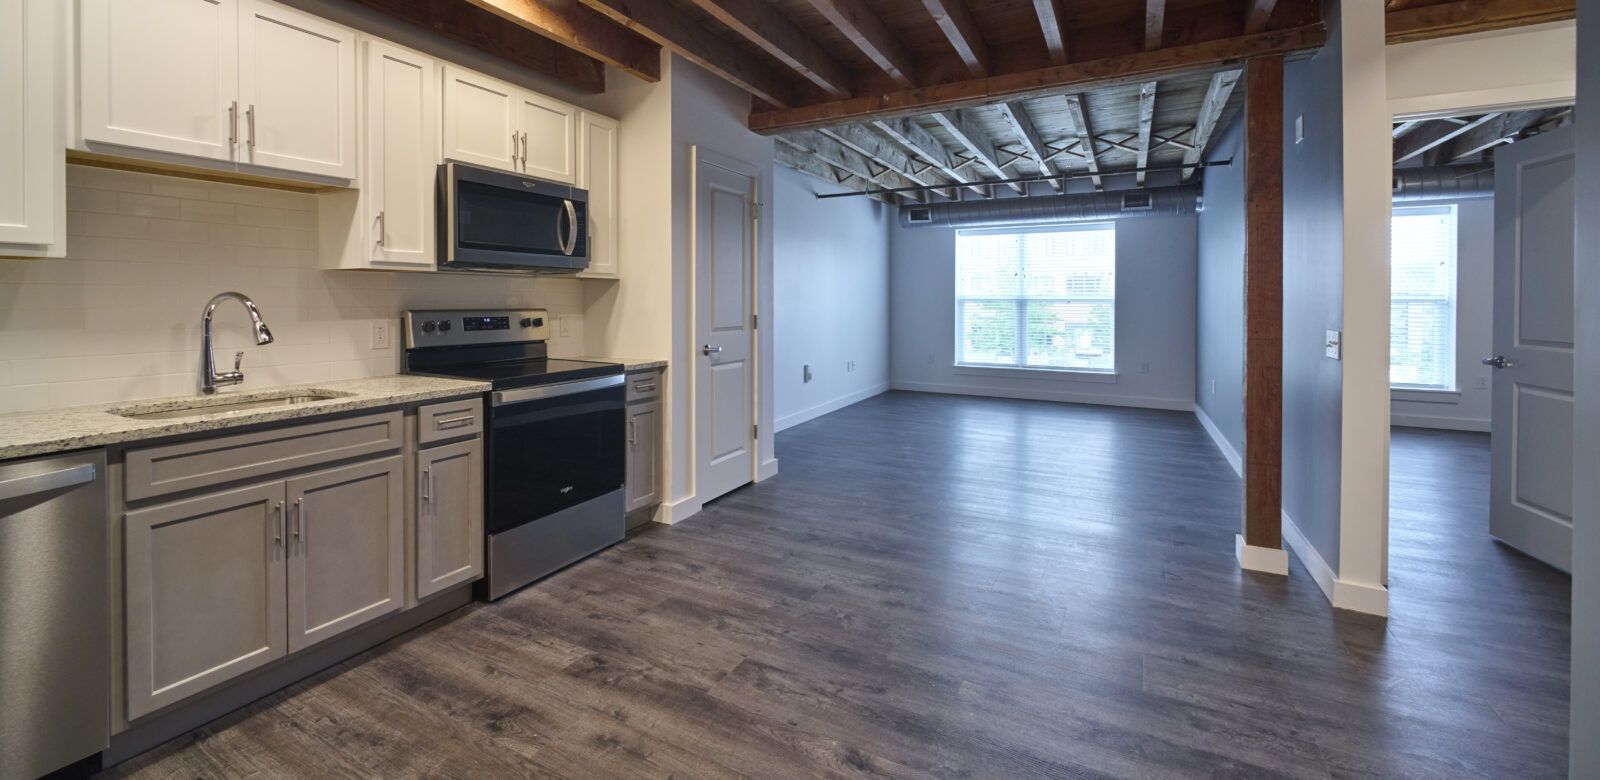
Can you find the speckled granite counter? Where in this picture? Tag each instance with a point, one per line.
(633, 364)
(24, 434)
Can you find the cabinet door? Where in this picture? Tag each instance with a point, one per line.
(204, 593)
(597, 173)
(346, 538)
(29, 155)
(160, 74)
(449, 516)
(549, 137)
(297, 89)
(643, 420)
(480, 120)
(402, 150)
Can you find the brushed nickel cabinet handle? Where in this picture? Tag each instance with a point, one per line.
(524, 152)
(299, 519)
(233, 126)
(632, 424)
(277, 525)
(383, 228)
(250, 122)
(453, 422)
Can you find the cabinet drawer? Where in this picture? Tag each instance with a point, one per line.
(644, 386)
(170, 468)
(449, 420)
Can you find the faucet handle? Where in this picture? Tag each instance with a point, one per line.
(238, 357)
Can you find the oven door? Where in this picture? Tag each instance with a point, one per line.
(552, 447)
(493, 220)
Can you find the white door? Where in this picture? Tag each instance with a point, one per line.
(29, 157)
(597, 174)
(725, 245)
(160, 74)
(297, 86)
(1531, 442)
(402, 150)
(549, 137)
(480, 120)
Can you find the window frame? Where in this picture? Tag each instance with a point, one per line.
(1021, 302)
(1452, 301)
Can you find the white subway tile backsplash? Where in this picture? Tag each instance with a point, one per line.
(119, 318)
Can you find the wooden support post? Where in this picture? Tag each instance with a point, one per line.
(1261, 544)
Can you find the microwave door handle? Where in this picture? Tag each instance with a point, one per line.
(571, 242)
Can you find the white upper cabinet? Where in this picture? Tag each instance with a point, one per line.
(161, 75)
(597, 173)
(32, 192)
(491, 123)
(402, 154)
(547, 127)
(297, 87)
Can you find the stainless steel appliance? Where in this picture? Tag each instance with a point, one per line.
(491, 220)
(55, 613)
(555, 445)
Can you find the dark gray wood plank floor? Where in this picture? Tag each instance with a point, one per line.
(956, 587)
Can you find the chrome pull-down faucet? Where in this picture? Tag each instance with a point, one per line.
(210, 380)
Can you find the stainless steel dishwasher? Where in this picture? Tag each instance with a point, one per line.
(55, 604)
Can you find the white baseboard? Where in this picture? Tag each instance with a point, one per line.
(1439, 423)
(767, 470)
(674, 512)
(804, 415)
(1372, 600)
(1141, 402)
(1228, 452)
(1262, 559)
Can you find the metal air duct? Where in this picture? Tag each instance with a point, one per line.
(1439, 182)
(1038, 209)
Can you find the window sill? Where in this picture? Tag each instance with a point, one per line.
(1063, 374)
(1417, 395)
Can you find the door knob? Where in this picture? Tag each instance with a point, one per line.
(1498, 361)
(708, 349)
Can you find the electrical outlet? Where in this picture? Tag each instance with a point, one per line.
(807, 369)
(1300, 128)
(565, 324)
(1333, 346)
(380, 334)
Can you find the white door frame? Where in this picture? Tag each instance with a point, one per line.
(698, 155)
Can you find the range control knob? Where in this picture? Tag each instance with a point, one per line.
(429, 326)
(538, 322)
(527, 322)
(444, 326)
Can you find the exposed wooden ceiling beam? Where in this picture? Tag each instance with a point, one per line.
(1080, 125)
(1258, 14)
(1147, 115)
(880, 150)
(1469, 16)
(969, 134)
(1435, 134)
(1017, 115)
(1054, 80)
(864, 29)
(835, 154)
(1055, 32)
(924, 145)
(570, 24)
(807, 163)
(955, 21)
(472, 26)
(1503, 129)
(1216, 98)
(760, 24)
(663, 23)
(1155, 22)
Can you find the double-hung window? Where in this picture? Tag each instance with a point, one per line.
(1422, 290)
(1038, 298)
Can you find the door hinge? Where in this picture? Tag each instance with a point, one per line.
(755, 430)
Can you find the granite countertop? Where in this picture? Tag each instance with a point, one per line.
(633, 364)
(23, 434)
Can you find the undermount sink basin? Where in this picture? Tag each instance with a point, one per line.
(226, 404)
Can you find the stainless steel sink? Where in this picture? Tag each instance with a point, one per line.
(226, 404)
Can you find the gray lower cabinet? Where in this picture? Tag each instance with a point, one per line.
(449, 515)
(205, 593)
(643, 477)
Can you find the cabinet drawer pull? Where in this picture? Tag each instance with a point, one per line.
(427, 485)
(453, 422)
(644, 387)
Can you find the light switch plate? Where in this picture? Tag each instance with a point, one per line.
(1333, 346)
(1300, 128)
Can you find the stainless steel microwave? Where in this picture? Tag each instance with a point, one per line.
(492, 220)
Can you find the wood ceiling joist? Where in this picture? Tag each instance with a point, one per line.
(570, 24)
(835, 154)
(1051, 24)
(663, 23)
(1054, 80)
(1435, 134)
(759, 23)
(1216, 98)
(1155, 22)
(955, 21)
(1080, 126)
(1469, 16)
(884, 152)
(869, 34)
(472, 26)
(804, 162)
(1258, 13)
(1017, 115)
(1147, 115)
(924, 145)
(969, 134)
(1502, 129)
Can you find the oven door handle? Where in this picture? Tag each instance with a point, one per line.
(521, 394)
(571, 241)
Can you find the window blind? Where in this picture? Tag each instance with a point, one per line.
(1422, 310)
(1037, 298)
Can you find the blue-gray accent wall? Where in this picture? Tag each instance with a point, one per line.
(1219, 328)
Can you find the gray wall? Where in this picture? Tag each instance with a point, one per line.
(831, 297)
(1219, 332)
(1313, 268)
(1154, 324)
(1585, 722)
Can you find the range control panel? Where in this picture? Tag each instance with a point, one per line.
(466, 327)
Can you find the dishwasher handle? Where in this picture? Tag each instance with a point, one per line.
(46, 482)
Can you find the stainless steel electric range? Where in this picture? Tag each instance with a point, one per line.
(553, 468)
